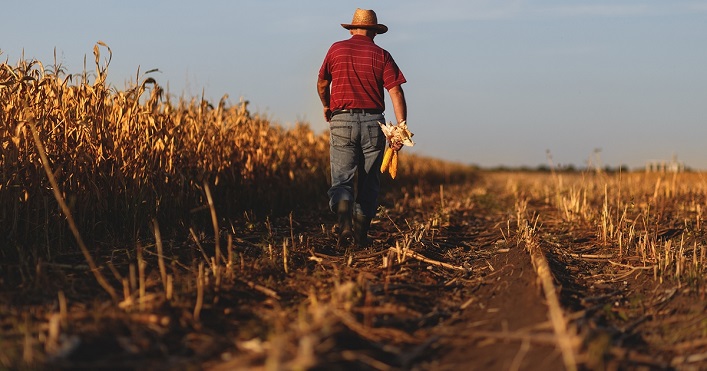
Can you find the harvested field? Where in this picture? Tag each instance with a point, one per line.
(122, 253)
(452, 280)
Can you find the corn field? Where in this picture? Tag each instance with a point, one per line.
(124, 157)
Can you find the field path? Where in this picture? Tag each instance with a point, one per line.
(505, 324)
(465, 295)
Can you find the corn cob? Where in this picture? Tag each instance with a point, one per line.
(386, 159)
(394, 165)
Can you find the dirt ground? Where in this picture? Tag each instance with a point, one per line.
(447, 285)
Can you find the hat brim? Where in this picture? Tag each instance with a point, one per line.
(379, 28)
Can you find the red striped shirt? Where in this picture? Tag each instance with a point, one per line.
(359, 70)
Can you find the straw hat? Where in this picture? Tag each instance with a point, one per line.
(364, 18)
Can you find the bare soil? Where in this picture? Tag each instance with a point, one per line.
(467, 298)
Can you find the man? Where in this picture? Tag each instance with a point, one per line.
(350, 85)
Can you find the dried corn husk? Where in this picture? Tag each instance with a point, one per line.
(395, 134)
(398, 133)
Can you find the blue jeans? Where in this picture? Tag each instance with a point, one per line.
(356, 147)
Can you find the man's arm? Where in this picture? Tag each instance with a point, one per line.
(397, 96)
(324, 96)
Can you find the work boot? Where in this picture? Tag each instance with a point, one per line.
(361, 226)
(343, 213)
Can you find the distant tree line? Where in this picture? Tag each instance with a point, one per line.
(570, 168)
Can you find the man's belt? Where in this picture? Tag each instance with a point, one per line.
(371, 111)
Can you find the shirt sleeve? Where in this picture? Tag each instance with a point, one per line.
(325, 71)
(392, 76)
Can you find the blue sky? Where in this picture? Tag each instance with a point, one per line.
(489, 82)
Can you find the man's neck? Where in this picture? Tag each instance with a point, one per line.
(363, 32)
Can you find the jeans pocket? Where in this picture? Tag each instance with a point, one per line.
(376, 136)
(340, 135)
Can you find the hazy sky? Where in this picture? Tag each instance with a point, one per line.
(489, 82)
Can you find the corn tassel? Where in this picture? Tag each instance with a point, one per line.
(386, 159)
(394, 165)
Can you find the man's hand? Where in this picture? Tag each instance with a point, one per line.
(327, 114)
(397, 135)
(396, 146)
